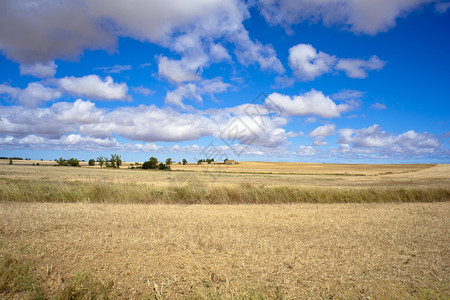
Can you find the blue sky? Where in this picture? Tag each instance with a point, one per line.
(312, 81)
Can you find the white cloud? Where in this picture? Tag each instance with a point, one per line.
(311, 103)
(142, 90)
(249, 52)
(59, 119)
(115, 68)
(368, 16)
(194, 91)
(39, 70)
(34, 94)
(378, 106)
(94, 87)
(306, 151)
(42, 31)
(177, 96)
(307, 63)
(357, 68)
(254, 130)
(150, 124)
(282, 82)
(326, 130)
(373, 139)
(347, 94)
(176, 70)
(74, 142)
(320, 141)
(321, 132)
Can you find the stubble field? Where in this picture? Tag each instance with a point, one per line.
(283, 231)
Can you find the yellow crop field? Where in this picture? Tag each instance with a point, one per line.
(267, 231)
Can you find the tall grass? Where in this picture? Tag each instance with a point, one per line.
(19, 190)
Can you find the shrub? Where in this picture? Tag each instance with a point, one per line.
(163, 166)
(73, 162)
(61, 162)
(91, 162)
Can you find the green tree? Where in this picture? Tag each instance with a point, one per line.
(101, 160)
(61, 162)
(168, 161)
(152, 163)
(10, 161)
(73, 162)
(91, 162)
(116, 160)
(184, 161)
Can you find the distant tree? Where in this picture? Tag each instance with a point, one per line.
(152, 163)
(10, 161)
(116, 160)
(101, 160)
(91, 162)
(168, 161)
(184, 161)
(61, 162)
(73, 162)
(163, 166)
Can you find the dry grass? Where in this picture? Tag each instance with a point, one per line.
(68, 184)
(306, 168)
(233, 251)
(107, 246)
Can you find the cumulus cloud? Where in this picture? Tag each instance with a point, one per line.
(282, 82)
(142, 90)
(306, 151)
(321, 132)
(194, 91)
(142, 123)
(250, 52)
(39, 70)
(357, 68)
(369, 16)
(94, 87)
(31, 96)
(177, 71)
(73, 142)
(378, 106)
(251, 130)
(373, 139)
(177, 96)
(311, 103)
(39, 31)
(307, 63)
(54, 121)
(326, 130)
(150, 124)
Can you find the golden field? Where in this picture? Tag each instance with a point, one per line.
(91, 233)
